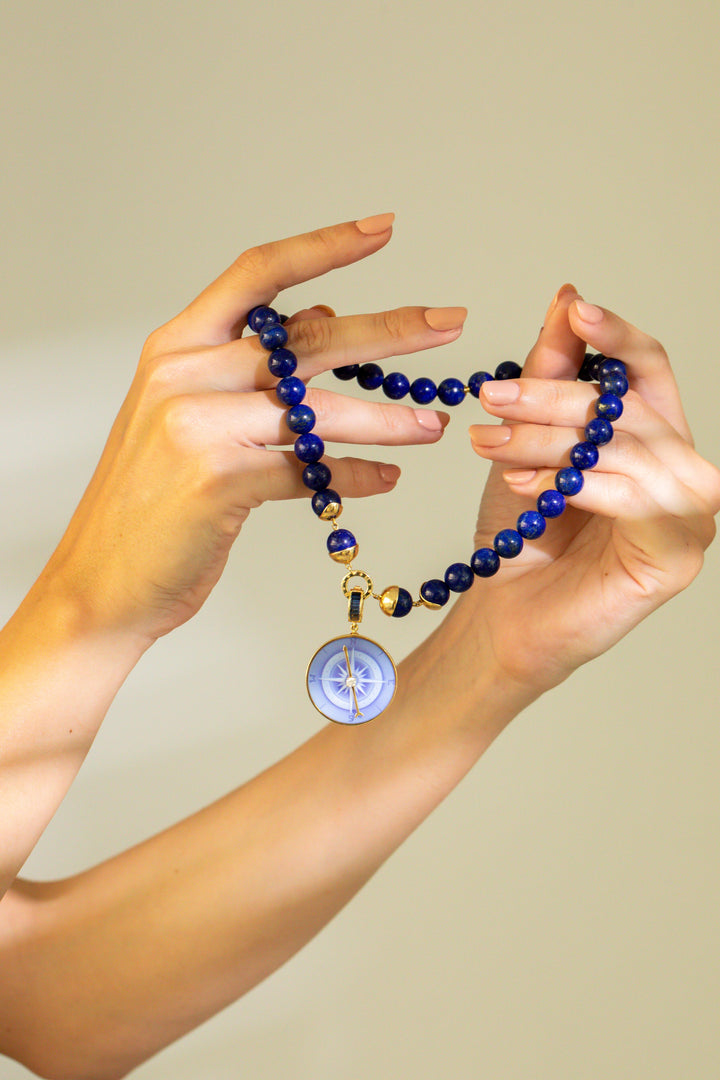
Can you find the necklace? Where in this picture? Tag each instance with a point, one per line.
(351, 679)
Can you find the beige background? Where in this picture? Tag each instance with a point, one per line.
(557, 918)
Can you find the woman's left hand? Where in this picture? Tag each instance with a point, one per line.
(632, 538)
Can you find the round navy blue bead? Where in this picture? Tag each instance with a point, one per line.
(451, 392)
(300, 419)
(435, 591)
(476, 380)
(551, 503)
(485, 562)
(585, 374)
(281, 363)
(291, 390)
(584, 455)
(569, 481)
(609, 407)
(273, 336)
(396, 385)
(423, 390)
(607, 364)
(599, 431)
(531, 525)
(403, 604)
(508, 543)
(322, 498)
(261, 316)
(309, 448)
(459, 577)
(508, 370)
(316, 476)
(346, 373)
(614, 382)
(340, 540)
(370, 376)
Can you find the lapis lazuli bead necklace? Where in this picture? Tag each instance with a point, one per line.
(351, 679)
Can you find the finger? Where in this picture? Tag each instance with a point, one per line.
(260, 273)
(558, 352)
(317, 311)
(277, 474)
(319, 344)
(260, 419)
(649, 370)
(626, 467)
(560, 403)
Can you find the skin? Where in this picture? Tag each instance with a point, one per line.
(101, 970)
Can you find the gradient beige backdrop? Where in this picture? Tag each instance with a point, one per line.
(557, 918)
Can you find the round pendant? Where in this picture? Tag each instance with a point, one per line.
(351, 679)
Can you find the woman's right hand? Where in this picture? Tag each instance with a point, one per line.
(187, 457)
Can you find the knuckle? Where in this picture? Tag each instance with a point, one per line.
(394, 324)
(178, 420)
(252, 263)
(312, 337)
(657, 352)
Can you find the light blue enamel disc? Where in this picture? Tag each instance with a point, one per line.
(351, 680)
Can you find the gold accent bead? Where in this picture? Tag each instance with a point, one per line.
(389, 599)
(345, 556)
(332, 510)
(426, 603)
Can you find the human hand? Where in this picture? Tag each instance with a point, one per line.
(187, 457)
(631, 539)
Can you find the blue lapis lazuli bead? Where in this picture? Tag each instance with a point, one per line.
(508, 370)
(485, 562)
(403, 603)
(585, 374)
(476, 380)
(281, 363)
(569, 481)
(423, 390)
(551, 503)
(261, 316)
(531, 525)
(300, 419)
(345, 374)
(340, 540)
(309, 448)
(435, 591)
(606, 364)
(396, 385)
(451, 392)
(614, 382)
(609, 407)
(273, 336)
(316, 476)
(508, 543)
(459, 577)
(370, 376)
(599, 431)
(291, 390)
(323, 498)
(584, 455)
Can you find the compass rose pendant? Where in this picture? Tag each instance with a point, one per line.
(351, 679)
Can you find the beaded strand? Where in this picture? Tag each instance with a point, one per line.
(327, 504)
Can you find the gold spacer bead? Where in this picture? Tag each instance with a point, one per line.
(345, 556)
(331, 511)
(388, 599)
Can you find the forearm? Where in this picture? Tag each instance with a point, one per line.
(58, 675)
(151, 943)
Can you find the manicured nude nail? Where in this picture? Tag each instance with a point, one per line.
(519, 476)
(389, 473)
(588, 312)
(377, 224)
(445, 318)
(431, 420)
(482, 435)
(326, 310)
(501, 391)
(562, 291)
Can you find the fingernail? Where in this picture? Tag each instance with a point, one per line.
(377, 224)
(482, 435)
(501, 391)
(326, 310)
(588, 312)
(562, 291)
(445, 318)
(431, 420)
(519, 476)
(389, 473)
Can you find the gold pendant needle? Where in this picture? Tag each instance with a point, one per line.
(352, 686)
